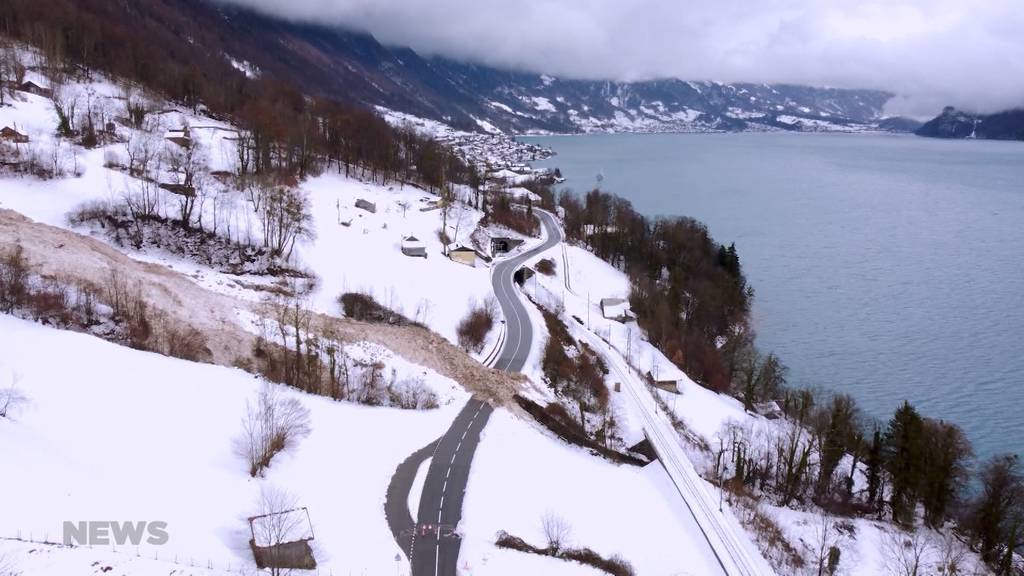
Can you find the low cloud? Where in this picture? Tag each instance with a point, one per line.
(930, 52)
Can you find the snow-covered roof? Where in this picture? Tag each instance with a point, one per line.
(663, 372)
(523, 193)
(615, 308)
(281, 527)
(455, 247)
(413, 242)
(176, 133)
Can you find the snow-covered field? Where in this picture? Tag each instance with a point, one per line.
(352, 249)
(110, 433)
(520, 475)
(356, 250)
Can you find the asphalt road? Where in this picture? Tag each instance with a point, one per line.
(430, 541)
(519, 332)
(435, 546)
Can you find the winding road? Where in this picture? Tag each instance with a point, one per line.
(430, 540)
(519, 331)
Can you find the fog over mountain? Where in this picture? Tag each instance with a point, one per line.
(929, 52)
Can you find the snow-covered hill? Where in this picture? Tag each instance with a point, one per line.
(107, 432)
(112, 433)
(354, 67)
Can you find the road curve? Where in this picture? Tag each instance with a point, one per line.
(430, 540)
(434, 550)
(519, 331)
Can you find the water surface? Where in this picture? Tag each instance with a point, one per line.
(887, 267)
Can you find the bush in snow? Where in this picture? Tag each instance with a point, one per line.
(10, 400)
(14, 278)
(7, 567)
(473, 329)
(556, 531)
(412, 394)
(129, 308)
(546, 267)
(361, 306)
(271, 424)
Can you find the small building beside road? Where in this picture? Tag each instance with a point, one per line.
(462, 254)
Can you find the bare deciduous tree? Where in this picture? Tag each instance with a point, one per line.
(65, 104)
(952, 556)
(14, 279)
(136, 106)
(906, 554)
(188, 167)
(11, 399)
(272, 524)
(556, 531)
(271, 424)
(10, 69)
(285, 218)
(142, 148)
(826, 551)
(7, 567)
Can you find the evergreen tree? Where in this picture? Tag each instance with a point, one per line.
(902, 452)
(841, 429)
(873, 462)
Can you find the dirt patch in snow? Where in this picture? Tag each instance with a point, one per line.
(58, 252)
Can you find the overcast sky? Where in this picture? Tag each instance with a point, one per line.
(969, 53)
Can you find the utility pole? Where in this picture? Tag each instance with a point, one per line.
(629, 344)
(721, 477)
(588, 309)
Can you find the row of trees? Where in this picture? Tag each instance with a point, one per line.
(686, 294)
(283, 130)
(576, 374)
(691, 297)
(910, 467)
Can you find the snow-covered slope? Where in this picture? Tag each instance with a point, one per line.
(113, 433)
(521, 475)
(868, 548)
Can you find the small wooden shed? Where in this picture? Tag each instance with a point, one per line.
(413, 246)
(181, 136)
(462, 254)
(281, 540)
(615, 309)
(666, 378)
(11, 135)
(33, 88)
(366, 205)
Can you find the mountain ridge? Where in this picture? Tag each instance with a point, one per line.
(354, 66)
(958, 124)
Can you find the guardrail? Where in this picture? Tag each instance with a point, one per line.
(493, 355)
